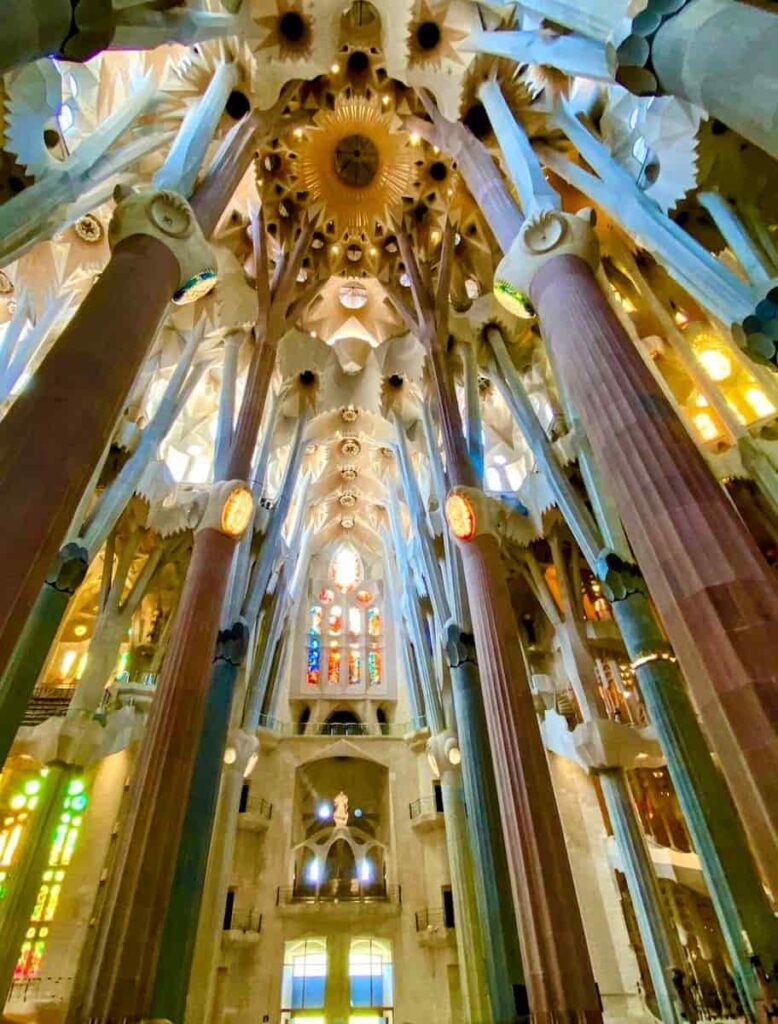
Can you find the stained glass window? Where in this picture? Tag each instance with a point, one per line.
(346, 568)
(60, 855)
(314, 647)
(354, 621)
(333, 671)
(305, 975)
(373, 622)
(374, 667)
(354, 666)
(336, 620)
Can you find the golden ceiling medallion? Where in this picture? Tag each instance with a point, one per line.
(356, 161)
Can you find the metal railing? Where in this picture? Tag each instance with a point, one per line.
(395, 729)
(251, 921)
(424, 805)
(47, 702)
(343, 892)
(39, 987)
(431, 917)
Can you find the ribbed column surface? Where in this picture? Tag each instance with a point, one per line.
(713, 589)
(557, 968)
(116, 975)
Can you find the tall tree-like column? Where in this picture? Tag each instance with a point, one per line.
(742, 907)
(711, 585)
(557, 968)
(117, 970)
(56, 431)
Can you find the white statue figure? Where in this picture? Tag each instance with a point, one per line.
(340, 814)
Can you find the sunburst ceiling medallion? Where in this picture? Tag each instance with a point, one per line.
(356, 161)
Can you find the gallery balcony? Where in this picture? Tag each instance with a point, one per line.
(426, 814)
(346, 899)
(435, 927)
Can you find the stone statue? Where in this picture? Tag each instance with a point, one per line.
(340, 814)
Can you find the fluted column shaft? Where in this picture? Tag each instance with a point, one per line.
(57, 429)
(470, 952)
(507, 992)
(557, 968)
(710, 583)
(117, 969)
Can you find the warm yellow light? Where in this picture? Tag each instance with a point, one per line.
(759, 402)
(335, 69)
(706, 426)
(460, 516)
(715, 363)
(435, 237)
(237, 512)
(230, 755)
(386, 100)
(454, 756)
(335, 249)
(700, 401)
(67, 661)
(298, 133)
(415, 138)
(80, 630)
(82, 664)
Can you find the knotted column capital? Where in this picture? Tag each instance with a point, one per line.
(167, 216)
(619, 577)
(69, 569)
(542, 237)
(241, 751)
(460, 646)
(443, 753)
(233, 643)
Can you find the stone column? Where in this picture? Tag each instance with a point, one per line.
(183, 910)
(116, 973)
(720, 55)
(30, 653)
(507, 992)
(202, 982)
(56, 431)
(470, 947)
(712, 588)
(557, 968)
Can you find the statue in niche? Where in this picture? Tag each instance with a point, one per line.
(340, 814)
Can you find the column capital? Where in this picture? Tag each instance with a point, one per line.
(620, 578)
(443, 752)
(471, 514)
(232, 643)
(242, 748)
(542, 237)
(460, 646)
(69, 569)
(167, 216)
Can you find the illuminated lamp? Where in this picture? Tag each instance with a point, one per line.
(460, 516)
(453, 753)
(237, 511)
(715, 363)
(324, 812)
(230, 755)
(513, 299)
(759, 402)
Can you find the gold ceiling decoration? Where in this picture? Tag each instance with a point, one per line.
(288, 31)
(356, 161)
(431, 39)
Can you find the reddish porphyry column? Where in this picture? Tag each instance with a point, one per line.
(58, 427)
(117, 967)
(714, 591)
(557, 967)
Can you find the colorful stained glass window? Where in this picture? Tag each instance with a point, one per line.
(60, 855)
(333, 671)
(373, 622)
(374, 667)
(354, 666)
(364, 596)
(316, 619)
(314, 661)
(326, 596)
(336, 620)
(346, 568)
(355, 621)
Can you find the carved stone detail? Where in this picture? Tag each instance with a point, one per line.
(69, 570)
(544, 236)
(167, 217)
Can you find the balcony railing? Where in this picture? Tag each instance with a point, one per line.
(431, 917)
(47, 702)
(424, 805)
(343, 892)
(250, 922)
(395, 729)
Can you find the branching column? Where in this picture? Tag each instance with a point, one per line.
(56, 431)
(710, 583)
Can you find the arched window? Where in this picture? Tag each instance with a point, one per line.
(345, 634)
(305, 976)
(370, 975)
